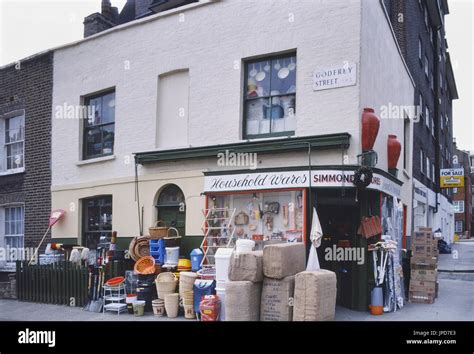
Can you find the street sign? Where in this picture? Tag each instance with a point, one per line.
(451, 178)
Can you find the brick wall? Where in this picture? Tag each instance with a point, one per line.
(31, 87)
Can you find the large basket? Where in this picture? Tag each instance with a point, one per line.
(172, 241)
(139, 247)
(186, 282)
(165, 284)
(145, 265)
(157, 232)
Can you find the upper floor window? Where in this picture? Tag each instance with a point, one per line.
(270, 97)
(458, 206)
(422, 161)
(99, 127)
(13, 140)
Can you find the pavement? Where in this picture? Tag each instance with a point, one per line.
(454, 303)
(455, 300)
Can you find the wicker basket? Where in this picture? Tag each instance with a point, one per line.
(172, 241)
(186, 282)
(157, 232)
(145, 265)
(139, 247)
(165, 284)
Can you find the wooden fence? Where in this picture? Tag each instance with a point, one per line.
(62, 283)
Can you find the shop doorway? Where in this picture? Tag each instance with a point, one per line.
(171, 208)
(342, 250)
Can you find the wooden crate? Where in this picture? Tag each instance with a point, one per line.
(421, 297)
(424, 250)
(422, 238)
(423, 286)
(424, 274)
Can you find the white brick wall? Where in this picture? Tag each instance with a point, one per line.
(209, 42)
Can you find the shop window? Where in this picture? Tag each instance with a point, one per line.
(97, 221)
(262, 217)
(270, 97)
(13, 232)
(171, 208)
(99, 127)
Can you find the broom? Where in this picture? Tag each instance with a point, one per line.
(53, 219)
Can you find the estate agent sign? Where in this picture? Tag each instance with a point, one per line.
(452, 178)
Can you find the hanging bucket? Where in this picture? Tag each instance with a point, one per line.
(156, 232)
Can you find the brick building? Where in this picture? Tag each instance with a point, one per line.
(25, 171)
(462, 197)
(419, 26)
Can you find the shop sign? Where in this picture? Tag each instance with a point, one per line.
(335, 76)
(452, 178)
(294, 179)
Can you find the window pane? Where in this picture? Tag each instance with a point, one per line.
(283, 76)
(256, 113)
(108, 108)
(94, 111)
(14, 155)
(93, 141)
(258, 79)
(108, 132)
(14, 129)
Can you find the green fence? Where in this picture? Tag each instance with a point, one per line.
(62, 283)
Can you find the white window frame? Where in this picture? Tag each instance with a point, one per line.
(3, 144)
(458, 206)
(427, 117)
(427, 64)
(420, 50)
(428, 174)
(422, 160)
(19, 234)
(456, 224)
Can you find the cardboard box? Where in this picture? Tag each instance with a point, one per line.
(428, 262)
(424, 250)
(421, 298)
(425, 229)
(424, 275)
(422, 238)
(423, 286)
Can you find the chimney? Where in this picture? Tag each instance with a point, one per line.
(98, 22)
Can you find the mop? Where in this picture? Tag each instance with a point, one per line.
(53, 219)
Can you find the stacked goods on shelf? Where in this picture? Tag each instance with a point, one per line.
(281, 262)
(315, 296)
(424, 264)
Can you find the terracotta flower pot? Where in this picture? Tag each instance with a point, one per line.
(370, 129)
(393, 151)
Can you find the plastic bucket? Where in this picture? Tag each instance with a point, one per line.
(196, 259)
(139, 308)
(244, 245)
(221, 293)
(376, 306)
(172, 255)
(222, 259)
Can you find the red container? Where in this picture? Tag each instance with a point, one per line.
(210, 307)
(370, 129)
(393, 151)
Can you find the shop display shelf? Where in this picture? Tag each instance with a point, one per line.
(115, 297)
(115, 306)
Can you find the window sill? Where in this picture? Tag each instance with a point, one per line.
(96, 160)
(12, 172)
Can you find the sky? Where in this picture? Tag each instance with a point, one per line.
(31, 26)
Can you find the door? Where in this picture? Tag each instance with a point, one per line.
(171, 208)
